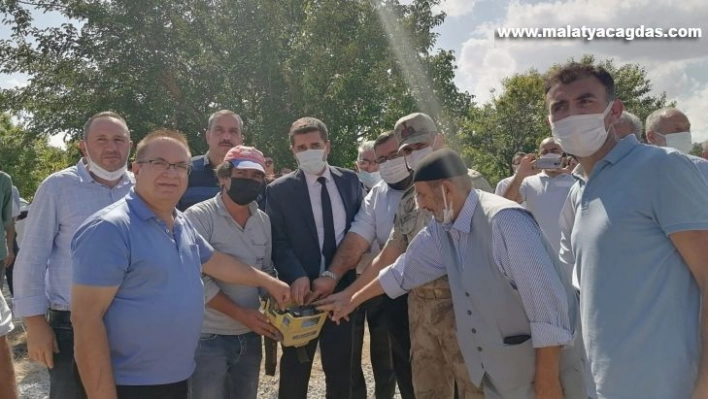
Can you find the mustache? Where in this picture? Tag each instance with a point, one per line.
(226, 142)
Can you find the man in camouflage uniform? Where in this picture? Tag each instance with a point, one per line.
(436, 359)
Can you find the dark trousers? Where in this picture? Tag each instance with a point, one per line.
(177, 390)
(336, 354)
(396, 311)
(64, 380)
(9, 268)
(374, 312)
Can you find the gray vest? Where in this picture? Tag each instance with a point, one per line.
(488, 308)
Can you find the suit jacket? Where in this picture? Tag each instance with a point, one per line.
(296, 247)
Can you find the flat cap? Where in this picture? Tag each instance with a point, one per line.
(438, 165)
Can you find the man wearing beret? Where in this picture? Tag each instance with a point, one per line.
(516, 312)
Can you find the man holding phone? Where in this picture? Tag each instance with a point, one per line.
(543, 184)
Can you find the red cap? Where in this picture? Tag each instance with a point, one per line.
(243, 157)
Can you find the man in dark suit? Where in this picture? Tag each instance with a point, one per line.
(310, 212)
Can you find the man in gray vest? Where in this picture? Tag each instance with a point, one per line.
(515, 310)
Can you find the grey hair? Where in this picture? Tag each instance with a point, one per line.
(223, 112)
(655, 117)
(628, 118)
(366, 146)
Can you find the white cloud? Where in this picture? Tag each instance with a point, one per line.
(456, 8)
(678, 67)
(695, 106)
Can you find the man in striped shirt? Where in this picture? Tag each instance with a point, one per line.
(43, 272)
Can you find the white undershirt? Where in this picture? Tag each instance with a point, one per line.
(338, 212)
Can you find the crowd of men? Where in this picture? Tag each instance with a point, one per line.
(582, 275)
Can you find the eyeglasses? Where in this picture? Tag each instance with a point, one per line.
(164, 166)
(365, 162)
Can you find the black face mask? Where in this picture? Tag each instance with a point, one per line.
(403, 184)
(244, 191)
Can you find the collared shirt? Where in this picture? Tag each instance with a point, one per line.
(62, 202)
(544, 197)
(338, 212)
(519, 254)
(154, 321)
(5, 317)
(374, 221)
(639, 301)
(251, 244)
(5, 211)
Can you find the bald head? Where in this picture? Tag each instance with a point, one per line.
(665, 121)
(549, 146)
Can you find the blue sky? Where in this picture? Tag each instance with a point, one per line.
(677, 67)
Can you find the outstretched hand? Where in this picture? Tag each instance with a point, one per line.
(340, 306)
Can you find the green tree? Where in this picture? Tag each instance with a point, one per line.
(516, 118)
(696, 149)
(27, 159)
(174, 62)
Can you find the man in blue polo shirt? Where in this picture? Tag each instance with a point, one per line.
(639, 233)
(137, 299)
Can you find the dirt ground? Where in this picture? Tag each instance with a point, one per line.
(33, 380)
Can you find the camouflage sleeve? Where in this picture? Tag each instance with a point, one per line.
(396, 237)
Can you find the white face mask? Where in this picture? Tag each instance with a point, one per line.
(581, 135)
(394, 171)
(104, 174)
(369, 179)
(311, 161)
(447, 210)
(680, 141)
(413, 159)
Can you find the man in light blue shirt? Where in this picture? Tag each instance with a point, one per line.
(43, 268)
(542, 188)
(372, 225)
(638, 240)
(137, 298)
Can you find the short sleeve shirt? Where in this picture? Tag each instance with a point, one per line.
(639, 301)
(154, 321)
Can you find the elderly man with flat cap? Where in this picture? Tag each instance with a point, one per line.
(516, 312)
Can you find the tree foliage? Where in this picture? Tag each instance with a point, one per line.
(356, 64)
(516, 118)
(26, 159)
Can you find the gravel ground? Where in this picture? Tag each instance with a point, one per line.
(33, 380)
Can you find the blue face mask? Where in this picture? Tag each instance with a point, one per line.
(369, 179)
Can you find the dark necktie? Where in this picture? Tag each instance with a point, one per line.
(329, 247)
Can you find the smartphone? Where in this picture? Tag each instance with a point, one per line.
(549, 162)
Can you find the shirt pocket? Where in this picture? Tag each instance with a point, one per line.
(258, 254)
